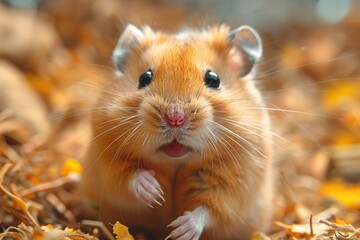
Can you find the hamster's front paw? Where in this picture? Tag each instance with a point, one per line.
(147, 188)
(190, 225)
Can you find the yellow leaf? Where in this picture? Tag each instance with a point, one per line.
(341, 93)
(50, 232)
(344, 138)
(346, 194)
(340, 222)
(71, 165)
(121, 231)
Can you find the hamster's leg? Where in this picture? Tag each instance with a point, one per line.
(223, 200)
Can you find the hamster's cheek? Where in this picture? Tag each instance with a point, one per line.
(151, 114)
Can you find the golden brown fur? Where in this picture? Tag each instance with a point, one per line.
(229, 172)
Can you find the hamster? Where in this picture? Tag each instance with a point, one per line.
(181, 143)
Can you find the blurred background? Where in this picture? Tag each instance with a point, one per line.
(55, 55)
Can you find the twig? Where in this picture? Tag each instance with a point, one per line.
(344, 228)
(9, 230)
(326, 214)
(99, 225)
(7, 207)
(60, 207)
(65, 236)
(48, 185)
(311, 226)
(16, 199)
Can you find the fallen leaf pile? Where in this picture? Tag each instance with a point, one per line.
(55, 54)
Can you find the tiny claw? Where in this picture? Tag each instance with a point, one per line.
(161, 196)
(157, 202)
(149, 205)
(162, 192)
(190, 225)
(168, 237)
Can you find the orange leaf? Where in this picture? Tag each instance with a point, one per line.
(121, 231)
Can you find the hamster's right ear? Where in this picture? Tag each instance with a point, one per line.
(129, 37)
(247, 49)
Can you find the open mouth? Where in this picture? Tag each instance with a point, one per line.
(175, 149)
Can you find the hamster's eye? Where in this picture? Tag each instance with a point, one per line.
(212, 80)
(145, 79)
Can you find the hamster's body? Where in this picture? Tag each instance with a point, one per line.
(181, 139)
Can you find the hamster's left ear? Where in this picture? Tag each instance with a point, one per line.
(130, 37)
(247, 49)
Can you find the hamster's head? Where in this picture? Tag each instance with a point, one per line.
(178, 97)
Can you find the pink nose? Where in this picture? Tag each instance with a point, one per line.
(176, 120)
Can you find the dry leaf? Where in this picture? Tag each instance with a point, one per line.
(341, 93)
(304, 230)
(346, 194)
(70, 166)
(121, 232)
(52, 47)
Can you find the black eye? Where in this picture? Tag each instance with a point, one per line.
(212, 80)
(145, 79)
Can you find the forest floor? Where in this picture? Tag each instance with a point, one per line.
(51, 61)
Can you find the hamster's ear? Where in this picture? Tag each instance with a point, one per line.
(247, 49)
(130, 36)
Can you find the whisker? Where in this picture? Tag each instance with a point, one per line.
(241, 161)
(300, 126)
(95, 65)
(122, 121)
(276, 109)
(101, 89)
(307, 64)
(275, 93)
(214, 141)
(236, 124)
(131, 134)
(242, 139)
(105, 149)
(289, 111)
